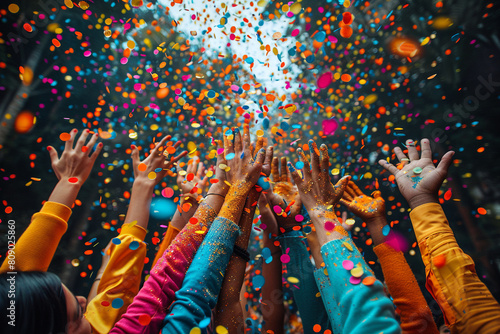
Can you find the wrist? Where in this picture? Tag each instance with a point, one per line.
(217, 188)
(143, 184)
(422, 199)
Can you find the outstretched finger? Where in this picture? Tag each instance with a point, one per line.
(356, 189)
(69, 143)
(341, 185)
(412, 150)
(97, 151)
(388, 166)
(325, 161)
(307, 168)
(135, 158)
(426, 149)
(238, 144)
(246, 136)
(81, 141)
(160, 144)
(54, 158)
(283, 171)
(446, 161)
(275, 170)
(314, 153)
(228, 143)
(201, 170)
(349, 190)
(91, 142)
(266, 167)
(399, 154)
(295, 175)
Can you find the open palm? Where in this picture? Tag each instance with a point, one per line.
(363, 206)
(420, 178)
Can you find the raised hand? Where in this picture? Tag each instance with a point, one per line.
(75, 163)
(417, 178)
(193, 180)
(156, 166)
(284, 197)
(366, 207)
(241, 171)
(315, 189)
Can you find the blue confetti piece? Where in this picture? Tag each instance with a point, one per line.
(258, 281)
(385, 230)
(299, 165)
(204, 323)
(117, 303)
(116, 241)
(134, 245)
(230, 156)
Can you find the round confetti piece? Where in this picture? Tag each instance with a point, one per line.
(299, 218)
(142, 167)
(385, 230)
(65, 136)
(105, 303)
(193, 220)
(73, 180)
(355, 280)
(439, 261)
(482, 211)
(230, 156)
(117, 303)
(167, 192)
(116, 241)
(204, 323)
(151, 175)
(221, 330)
(369, 280)
(134, 245)
(417, 170)
(195, 330)
(258, 281)
(293, 280)
(285, 258)
(144, 319)
(299, 165)
(75, 262)
(357, 271)
(329, 226)
(350, 221)
(347, 264)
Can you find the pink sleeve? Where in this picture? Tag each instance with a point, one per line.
(150, 306)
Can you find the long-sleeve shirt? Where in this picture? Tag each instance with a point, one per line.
(200, 289)
(149, 308)
(415, 314)
(120, 281)
(36, 247)
(329, 303)
(363, 308)
(167, 240)
(467, 304)
(305, 292)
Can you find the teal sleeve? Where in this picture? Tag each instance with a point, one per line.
(363, 308)
(305, 292)
(200, 289)
(329, 301)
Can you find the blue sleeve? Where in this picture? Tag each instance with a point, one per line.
(305, 292)
(363, 308)
(201, 286)
(329, 301)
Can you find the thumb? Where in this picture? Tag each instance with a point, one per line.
(445, 162)
(377, 194)
(54, 158)
(341, 185)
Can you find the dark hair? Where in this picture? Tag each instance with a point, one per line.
(40, 303)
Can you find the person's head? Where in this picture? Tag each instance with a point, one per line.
(42, 304)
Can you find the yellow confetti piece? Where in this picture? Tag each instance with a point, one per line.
(293, 280)
(152, 175)
(348, 246)
(357, 271)
(221, 330)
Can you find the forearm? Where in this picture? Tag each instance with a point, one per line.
(327, 225)
(229, 313)
(65, 193)
(376, 228)
(95, 285)
(234, 202)
(273, 310)
(138, 209)
(181, 217)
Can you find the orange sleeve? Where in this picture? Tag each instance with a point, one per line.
(467, 304)
(120, 281)
(415, 314)
(167, 239)
(36, 246)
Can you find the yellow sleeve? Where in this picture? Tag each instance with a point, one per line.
(36, 246)
(121, 279)
(467, 304)
(167, 239)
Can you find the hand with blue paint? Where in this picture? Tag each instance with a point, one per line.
(417, 177)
